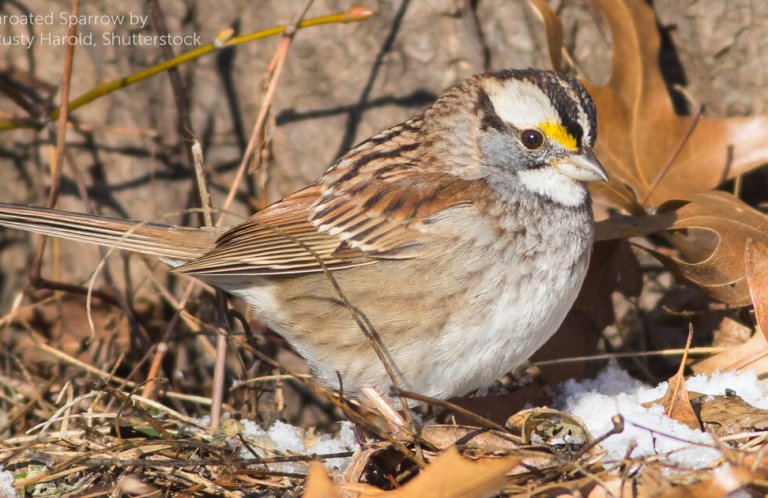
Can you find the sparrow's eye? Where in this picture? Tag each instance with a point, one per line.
(532, 139)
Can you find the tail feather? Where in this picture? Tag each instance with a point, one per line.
(165, 241)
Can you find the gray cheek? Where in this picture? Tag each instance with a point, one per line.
(504, 152)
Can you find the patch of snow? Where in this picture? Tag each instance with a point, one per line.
(285, 439)
(614, 391)
(6, 484)
(344, 441)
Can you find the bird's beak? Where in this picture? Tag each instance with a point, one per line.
(582, 166)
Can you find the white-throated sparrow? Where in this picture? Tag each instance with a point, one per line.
(462, 235)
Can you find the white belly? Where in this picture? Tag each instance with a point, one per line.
(503, 335)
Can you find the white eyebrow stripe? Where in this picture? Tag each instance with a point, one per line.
(522, 104)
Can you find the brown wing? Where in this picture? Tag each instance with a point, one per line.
(378, 197)
(276, 241)
(372, 204)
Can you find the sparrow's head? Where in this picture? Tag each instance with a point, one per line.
(536, 131)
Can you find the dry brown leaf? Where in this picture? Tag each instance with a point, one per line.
(625, 227)
(730, 333)
(653, 155)
(640, 131)
(756, 267)
(676, 401)
(725, 480)
(319, 484)
(443, 436)
(677, 405)
(725, 415)
(554, 30)
(711, 230)
(548, 426)
(651, 483)
(449, 476)
(753, 354)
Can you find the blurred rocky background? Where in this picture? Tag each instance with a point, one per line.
(341, 84)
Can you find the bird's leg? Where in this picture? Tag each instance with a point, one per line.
(384, 407)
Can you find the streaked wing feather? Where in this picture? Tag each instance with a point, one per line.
(378, 197)
(276, 241)
(374, 203)
(382, 217)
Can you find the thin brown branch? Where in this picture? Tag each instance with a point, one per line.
(274, 70)
(61, 136)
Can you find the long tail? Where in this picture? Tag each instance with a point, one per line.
(172, 243)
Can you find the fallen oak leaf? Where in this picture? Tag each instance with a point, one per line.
(640, 129)
(625, 227)
(652, 153)
(550, 427)
(450, 475)
(711, 231)
(727, 414)
(649, 151)
(756, 269)
(319, 484)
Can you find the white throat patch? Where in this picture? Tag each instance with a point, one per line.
(557, 187)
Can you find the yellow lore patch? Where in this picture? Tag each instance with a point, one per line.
(559, 134)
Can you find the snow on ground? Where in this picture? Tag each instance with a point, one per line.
(614, 391)
(288, 439)
(6, 484)
(285, 440)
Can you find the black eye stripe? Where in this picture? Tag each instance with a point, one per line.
(487, 112)
(566, 107)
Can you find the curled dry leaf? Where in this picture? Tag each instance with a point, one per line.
(549, 427)
(653, 155)
(711, 231)
(625, 227)
(639, 130)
